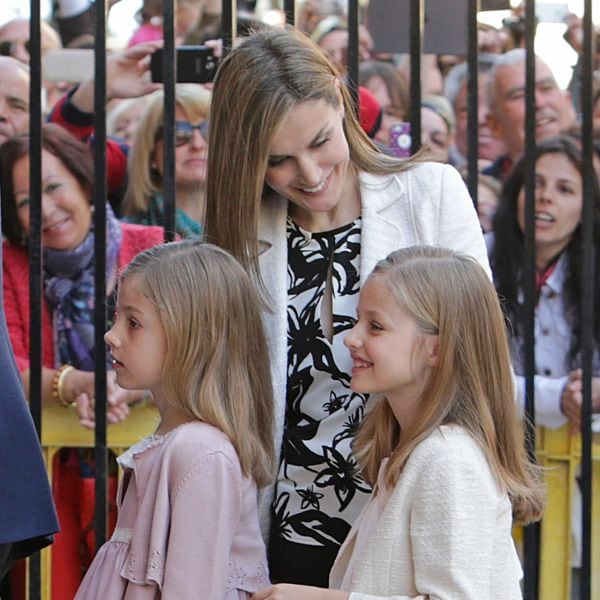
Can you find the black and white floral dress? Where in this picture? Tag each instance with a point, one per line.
(320, 490)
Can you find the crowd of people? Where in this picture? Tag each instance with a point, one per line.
(335, 423)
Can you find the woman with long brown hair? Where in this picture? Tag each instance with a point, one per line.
(298, 193)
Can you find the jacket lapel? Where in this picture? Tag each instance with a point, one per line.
(384, 211)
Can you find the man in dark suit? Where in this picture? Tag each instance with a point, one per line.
(27, 517)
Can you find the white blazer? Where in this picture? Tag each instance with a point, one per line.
(425, 205)
(444, 534)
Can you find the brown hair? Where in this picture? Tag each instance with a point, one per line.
(395, 82)
(256, 86)
(56, 140)
(470, 385)
(217, 361)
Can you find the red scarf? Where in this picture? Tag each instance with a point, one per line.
(542, 278)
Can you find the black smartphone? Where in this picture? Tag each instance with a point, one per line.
(195, 64)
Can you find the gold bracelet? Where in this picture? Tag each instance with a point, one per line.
(58, 382)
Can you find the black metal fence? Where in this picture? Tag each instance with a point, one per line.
(417, 16)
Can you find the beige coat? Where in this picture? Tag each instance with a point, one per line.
(445, 532)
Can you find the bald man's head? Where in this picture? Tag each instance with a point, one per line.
(554, 112)
(14, 97)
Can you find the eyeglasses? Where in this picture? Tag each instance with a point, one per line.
(8, 48)
(184, 131)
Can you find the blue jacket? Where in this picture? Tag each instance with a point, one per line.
(27, 516)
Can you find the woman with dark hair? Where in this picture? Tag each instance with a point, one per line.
(558, 324)
(67, 313)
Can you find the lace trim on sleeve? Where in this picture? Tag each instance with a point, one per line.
(248, 581)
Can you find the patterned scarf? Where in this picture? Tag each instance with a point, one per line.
(69, 289)
(185, 226)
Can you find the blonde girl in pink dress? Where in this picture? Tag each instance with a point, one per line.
(188, 329)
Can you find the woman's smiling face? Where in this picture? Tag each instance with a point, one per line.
(66, 210)
(309, 158)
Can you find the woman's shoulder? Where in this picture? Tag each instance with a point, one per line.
(13, 252)
(137, 238)
(15, 259)
(419, 171)
(424, 186)
(436, 177)
(136, 232)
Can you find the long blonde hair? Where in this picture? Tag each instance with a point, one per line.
(217, 362)
(256, 86)
(449, 295)
(144, 181)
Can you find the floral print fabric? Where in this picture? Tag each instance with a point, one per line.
(320, 490)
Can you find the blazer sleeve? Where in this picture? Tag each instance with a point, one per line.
(459, 227)
(453, 525)
(359, 596)
(453, 519)
(205, 512)
(547, 392)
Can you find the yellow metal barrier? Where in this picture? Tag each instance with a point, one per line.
(560, 454)
(61, 429)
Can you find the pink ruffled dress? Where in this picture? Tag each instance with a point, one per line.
(187, 526)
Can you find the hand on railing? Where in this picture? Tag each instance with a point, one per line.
(572, 398)
(79, 385)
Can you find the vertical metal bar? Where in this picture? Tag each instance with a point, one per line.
(35, 186)
(353, 51)
(472, 99)
(229, 25)
(417, 23)
(289, 7)
(169, 80)
(35, 251)
(100, 196)
(531, 533)
(587, 300)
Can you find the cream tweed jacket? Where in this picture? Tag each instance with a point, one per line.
(444, 534)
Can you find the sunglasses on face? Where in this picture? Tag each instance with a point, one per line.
(184, 131)
(10, 48)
